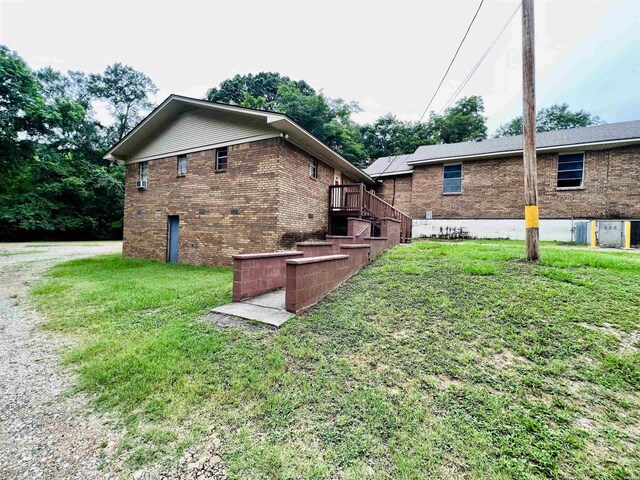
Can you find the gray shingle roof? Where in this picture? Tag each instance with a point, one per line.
(544, 140)
(390, 164)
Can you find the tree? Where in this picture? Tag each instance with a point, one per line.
(23, 112)
(58, 185)
(390, 136)
(326, 118)
(460, 123)
(126, 93)
(261, 89)
(556, 117)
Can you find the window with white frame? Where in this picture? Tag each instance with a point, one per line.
(143, 171)
(222, 155)
(452, 179)
(571, 170)
(182, 165)
(313, 168)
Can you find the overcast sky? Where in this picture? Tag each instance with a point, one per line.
(387, 55)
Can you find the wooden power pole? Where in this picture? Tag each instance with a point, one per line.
(529, 129)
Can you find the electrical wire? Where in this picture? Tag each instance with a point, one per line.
(457, 92)
(455, 55)
(452, 60)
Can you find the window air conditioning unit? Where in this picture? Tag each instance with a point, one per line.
(141, 184)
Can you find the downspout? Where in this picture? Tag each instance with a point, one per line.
(393, 198)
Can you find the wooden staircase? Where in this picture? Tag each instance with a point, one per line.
(354, 200)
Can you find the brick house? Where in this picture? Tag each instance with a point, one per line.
(206, 181)
(476, 188)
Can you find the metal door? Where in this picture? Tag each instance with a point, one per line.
(581, 234)
(173, 238)
(611, 233)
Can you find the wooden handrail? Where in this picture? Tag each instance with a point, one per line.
(357, 199)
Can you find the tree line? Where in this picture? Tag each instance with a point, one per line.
(55, 184)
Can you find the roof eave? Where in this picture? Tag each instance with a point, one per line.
(390, 174)
(506, 153)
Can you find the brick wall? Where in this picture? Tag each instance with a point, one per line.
(266, 184)
(493, 188)
(397, 191)
(301, 197)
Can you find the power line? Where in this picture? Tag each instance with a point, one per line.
(452, 60)
(391, 162)
(479, 62)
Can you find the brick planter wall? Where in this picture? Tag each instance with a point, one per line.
(255, 274)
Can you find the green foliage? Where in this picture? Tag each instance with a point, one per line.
(55, 184)
(23, 113)
(416, 368)
(555, 117)
(463, 122)
(126, 93)
(326, 118)
(389, 136)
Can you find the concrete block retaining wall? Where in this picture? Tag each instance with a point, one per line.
(311, 279)
(255, 274)
(315, 268)
(378, 244)
(358, 228)
(390, 228)
(315, 249)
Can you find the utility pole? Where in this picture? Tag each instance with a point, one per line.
(531, 216)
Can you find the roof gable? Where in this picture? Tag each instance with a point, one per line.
(199, 129)
(181, 124)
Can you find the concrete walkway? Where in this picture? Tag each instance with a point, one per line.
(267, 308)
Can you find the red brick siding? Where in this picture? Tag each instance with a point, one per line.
(266, 181)
(300, 195)
(397, 191)
(249, 185)
(494, 188)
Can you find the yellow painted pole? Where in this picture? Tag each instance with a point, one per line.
(627, 235)
(593, 234)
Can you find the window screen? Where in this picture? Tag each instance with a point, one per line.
(570, 170)
(452, 182)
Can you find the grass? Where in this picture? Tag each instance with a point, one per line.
(438, 360)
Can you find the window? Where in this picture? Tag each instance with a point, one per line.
(143, 170)
(452, 181)
(313, 168)
(182, 165)
(221, 159)
(570, 170)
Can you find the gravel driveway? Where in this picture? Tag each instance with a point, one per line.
(44, 433)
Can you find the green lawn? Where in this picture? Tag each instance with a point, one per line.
(438, 360)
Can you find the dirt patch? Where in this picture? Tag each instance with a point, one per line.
(506, 360)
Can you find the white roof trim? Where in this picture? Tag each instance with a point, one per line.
(390, 174)
(519, 151)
